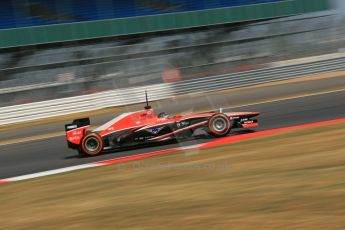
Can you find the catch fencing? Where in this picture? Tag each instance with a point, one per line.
(134, 95)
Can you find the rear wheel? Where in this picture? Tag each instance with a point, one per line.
(91, 145)
(219, 125)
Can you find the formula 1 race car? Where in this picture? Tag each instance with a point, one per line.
(136, 128)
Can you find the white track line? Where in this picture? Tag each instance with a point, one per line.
(51, 172)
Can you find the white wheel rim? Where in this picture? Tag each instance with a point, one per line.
(92, 144)
(219, 124)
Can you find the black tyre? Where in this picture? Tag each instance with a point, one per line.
(219, 125)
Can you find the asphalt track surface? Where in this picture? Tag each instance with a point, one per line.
(52, 153)
(192, 103)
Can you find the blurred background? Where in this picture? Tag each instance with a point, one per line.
(53, 49)
(66, 59)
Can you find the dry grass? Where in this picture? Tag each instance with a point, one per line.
(294, 180)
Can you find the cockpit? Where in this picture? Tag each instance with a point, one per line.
(163, 115)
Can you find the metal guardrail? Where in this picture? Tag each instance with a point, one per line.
(127, 96)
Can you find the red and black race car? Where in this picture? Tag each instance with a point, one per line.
(140, 127)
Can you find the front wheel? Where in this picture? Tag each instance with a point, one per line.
(91, 145)
(219, 125)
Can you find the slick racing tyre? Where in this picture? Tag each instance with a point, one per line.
(91, 145)
(219, 125)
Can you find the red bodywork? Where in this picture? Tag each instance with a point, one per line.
(74, 136)
(142, 119)
(145, 126)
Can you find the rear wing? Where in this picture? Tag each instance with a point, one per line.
(78, 123)
(76, 131)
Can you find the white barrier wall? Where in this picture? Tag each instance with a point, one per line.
(127, 96)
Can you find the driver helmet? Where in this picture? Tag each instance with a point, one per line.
(163, 115)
